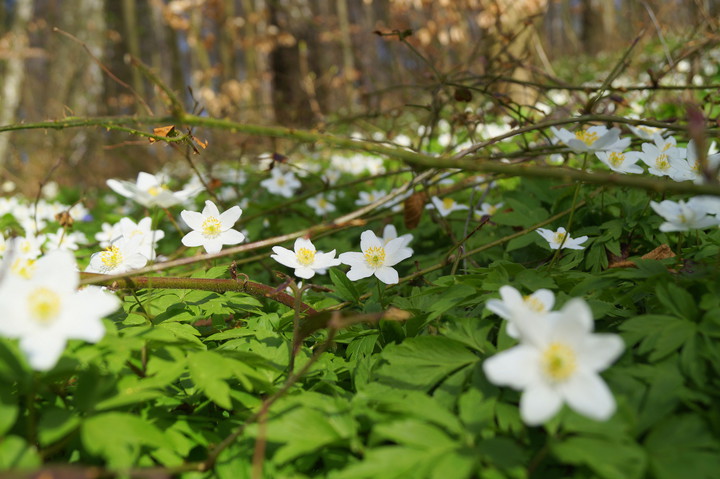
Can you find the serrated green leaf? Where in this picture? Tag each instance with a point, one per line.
(414, 433)
(209, 372)
(343, 286)
(118, 437)
(610, 458)
(422, 362)
(682, 446)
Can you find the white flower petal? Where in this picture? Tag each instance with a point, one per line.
(512, 367)
(387, 275)
(192, 218)
(359, 271)
(231, 237)
(588, 395)
(192, 239)
(230, 217)
(369, 240)
(539, 403)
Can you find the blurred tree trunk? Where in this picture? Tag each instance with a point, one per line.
(512, 49)
(132, 39)
(75, 78)
(14, 73)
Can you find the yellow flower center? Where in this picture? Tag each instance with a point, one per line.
(322, 203)
(44, 304)
(281, 181)
(111, 257)
(667, 146)
(587, 137)
(534, 304)
(156, 190)
(492, 210)
(662, 163)
(211, 227)
(560, 237)
(558, 361)
(25, 247)
(448, 203)
(305, 256)
(23, 267)
(375, 256)
(616, 159)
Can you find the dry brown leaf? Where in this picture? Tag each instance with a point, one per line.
(396, 314)
(661, 252)
(413, 209)
(164, 131)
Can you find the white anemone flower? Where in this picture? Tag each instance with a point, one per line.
(513, 304)
(390, 233)
(558, 362)
(210, 229)
(305, 259)
(663, 157)
(369, 197)
(320, 204)
(685, 216)
(64, 239)
(646, 132)
(376, 258)
(488, 209)
(594, 138)
(279, 183)
(621, 162)
(151, 190)
(561, 238)
(446, 205)
(43, 312)
(123, 254)
(143, 230)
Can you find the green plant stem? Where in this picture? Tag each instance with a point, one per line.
(204, 284)
(573, 207)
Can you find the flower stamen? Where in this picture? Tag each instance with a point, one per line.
(375, 256)
(587, 137)
(44, 304)
(558, 362)
(211, 227)
(305, 256)
(111, 257)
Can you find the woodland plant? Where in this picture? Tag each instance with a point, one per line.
(483, 321)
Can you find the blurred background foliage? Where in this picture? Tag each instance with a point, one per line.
(305, 63)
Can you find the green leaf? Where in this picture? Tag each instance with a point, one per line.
(678, 300)
(658, 335)
(209, 372)
(118, 437)
(411, 432)
(313, 426)
(610, 458)
(343, 286)
(682, 446)
(56, 423)
(16, 453)
(422, 362)
(8, 409)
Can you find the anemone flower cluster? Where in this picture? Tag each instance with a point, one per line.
(558, 357)
(44, 309)
(377, 257)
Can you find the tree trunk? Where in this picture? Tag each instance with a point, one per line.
(12, 79)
